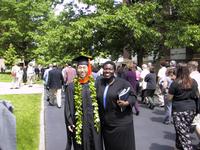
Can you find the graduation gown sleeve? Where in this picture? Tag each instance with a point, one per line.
(69, 105)
(132, 96)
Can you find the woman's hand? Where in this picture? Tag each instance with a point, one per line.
(71, 128)
(122, 103)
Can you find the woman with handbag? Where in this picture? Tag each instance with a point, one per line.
(182, 92)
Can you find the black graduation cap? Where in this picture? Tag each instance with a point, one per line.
(82, 60)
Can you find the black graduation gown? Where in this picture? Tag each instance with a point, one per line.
(91, 140)
(117, 126)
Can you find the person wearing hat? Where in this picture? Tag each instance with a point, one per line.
(81, 110)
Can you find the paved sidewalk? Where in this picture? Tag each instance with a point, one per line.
(55, 130)
(5, 89)
(150, 132)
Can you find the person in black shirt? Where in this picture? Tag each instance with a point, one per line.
(116, 115)
(150, 78)
(182, 92)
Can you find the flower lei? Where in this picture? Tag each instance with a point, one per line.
(79, 109)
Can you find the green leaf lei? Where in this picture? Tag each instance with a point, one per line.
(79, 109)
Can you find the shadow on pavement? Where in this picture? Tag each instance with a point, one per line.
(143, 105)
(157, 119)
(159, 112)
(169, 135)
(155, 146)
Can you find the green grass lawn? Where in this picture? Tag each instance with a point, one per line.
(5, 77)
(27, 112)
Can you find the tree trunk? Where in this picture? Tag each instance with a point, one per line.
(140, 54)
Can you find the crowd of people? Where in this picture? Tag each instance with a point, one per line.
(96, 116)
(98, 103)
(22, 74)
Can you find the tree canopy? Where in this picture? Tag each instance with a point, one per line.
(19, 22)
(141, 27)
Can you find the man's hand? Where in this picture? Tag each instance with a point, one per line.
(122, 103)
(71, 128)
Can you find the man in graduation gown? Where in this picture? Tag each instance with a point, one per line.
(81, 110)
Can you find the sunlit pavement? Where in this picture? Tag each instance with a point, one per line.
(5, 88)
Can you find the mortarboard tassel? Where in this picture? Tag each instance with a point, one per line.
(89, 68)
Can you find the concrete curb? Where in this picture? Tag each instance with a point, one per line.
(42, 127)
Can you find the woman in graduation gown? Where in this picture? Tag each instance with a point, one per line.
(81, 110)
(116, 115)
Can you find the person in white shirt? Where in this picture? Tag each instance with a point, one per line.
(143, 84)
(30, 74)
(161, 75)
(194, 73)
(19, 76)
(162, 70)
(14, 71)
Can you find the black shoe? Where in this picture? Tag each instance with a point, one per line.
(161, 105)
(166, 122)
(50, 104)
(137, 113)
(151, 106)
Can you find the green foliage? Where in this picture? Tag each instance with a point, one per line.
(106, 32)
(141, 26)
(27, 113)
(182, 25)
(19, 21)
(10, 56)
(5, 77)
(101, 4)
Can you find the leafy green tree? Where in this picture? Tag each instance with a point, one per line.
(19, 22)
(183, 24)
(10, 56)
(112, 30)
(141, 27)
(177, 21)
